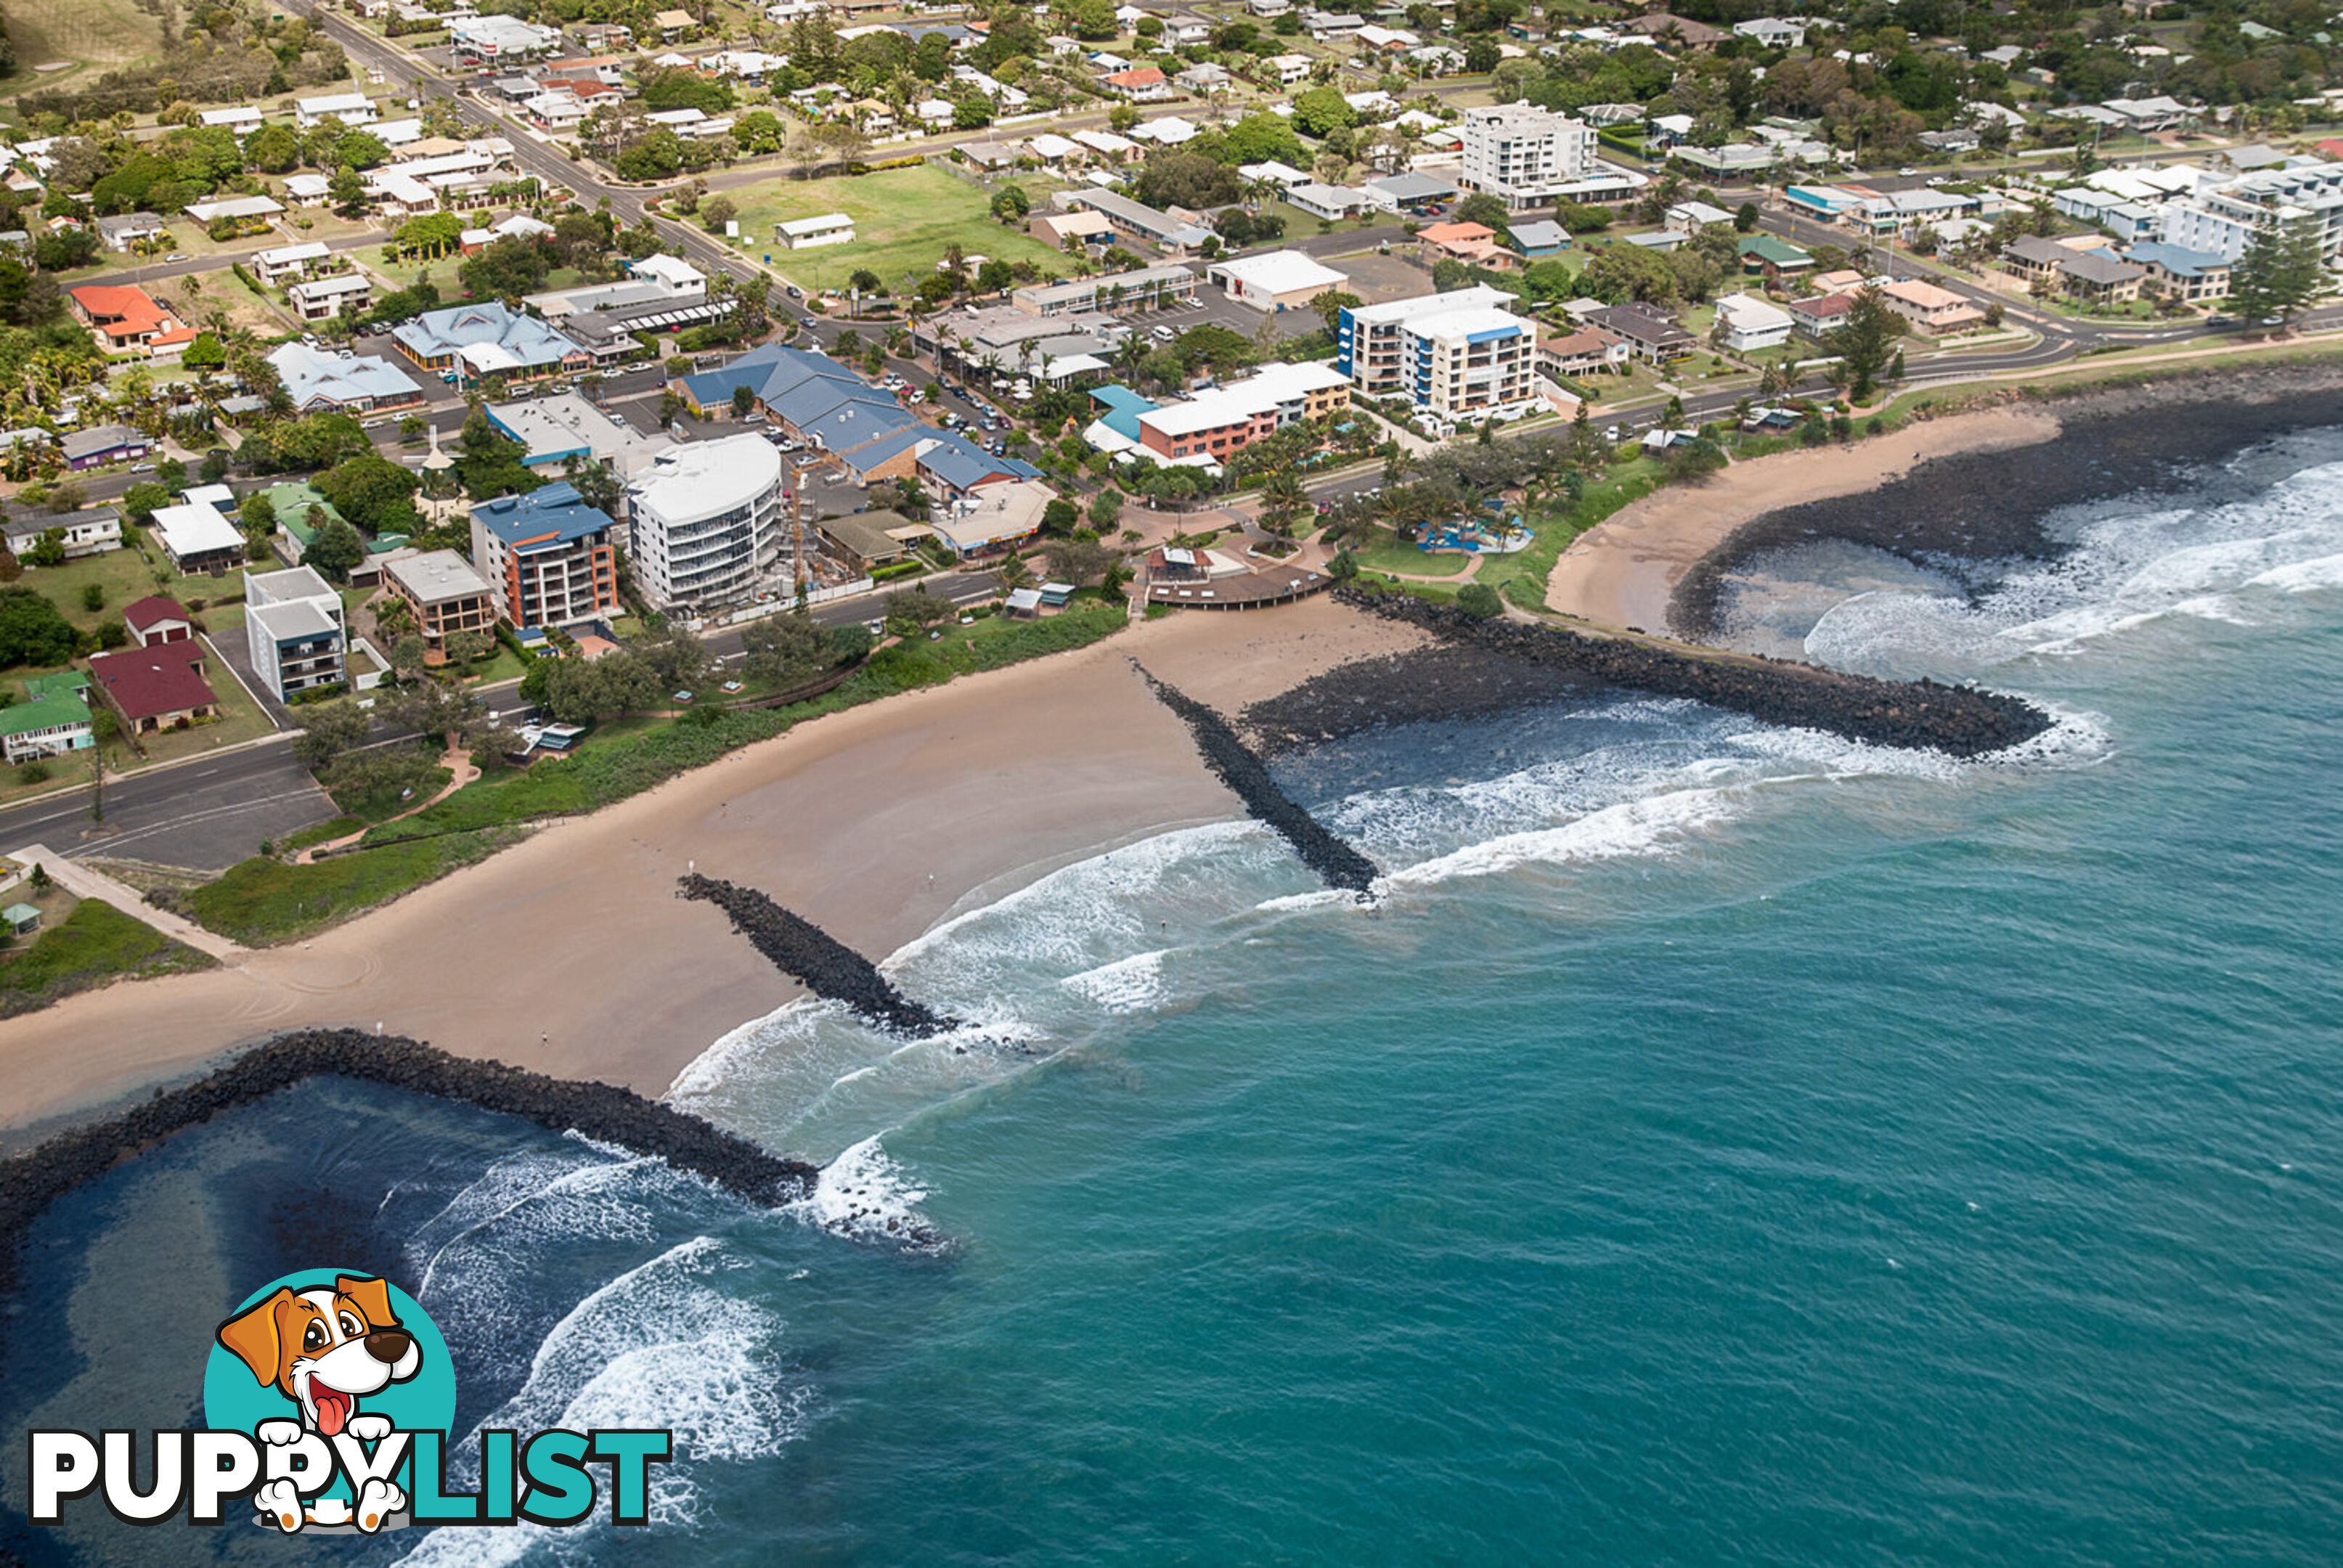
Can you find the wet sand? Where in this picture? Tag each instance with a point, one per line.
(569, 953)
(1623, 571)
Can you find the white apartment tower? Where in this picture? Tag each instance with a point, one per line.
(1525, 157)
(707, 517)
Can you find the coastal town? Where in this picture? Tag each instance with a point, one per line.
(425, 423)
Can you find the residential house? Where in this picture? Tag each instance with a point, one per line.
(1475, 242)
(1820, 315)
(52, 720)
(324, 299)
(349, 108)
(1061, 229)
(125, 320)
(1774, 31)
(92, 532)
(1933, 311)
(1144, 85)
(1589, 351)
(122, 232)
(1749, 325)
(1409, 193)
(1170, 233)
(274, 267)
(807, 233)
(156, 688)
(295, 631)
(1663, 28)
(197, 538)
(1332, 203)
(1651, 336)
(1540, 240)
(2099, 278)
(1774, 259)
(102, 443)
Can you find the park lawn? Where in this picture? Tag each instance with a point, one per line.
(1388, 555)
(264, 900)
(506, 665)
(904, 219)
(90, 945)
(98, 34)
(1522, 578)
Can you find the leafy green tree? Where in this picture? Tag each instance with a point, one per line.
(1482, 209)
(1321, 110)
(1479, 602)
(1011, 204)
(1331, 305)
(2280, 271)
(326, 731)
(1865, 344)
(33, 631)
(93, 596)
(335, 550)
(372, 492)
(786, 651)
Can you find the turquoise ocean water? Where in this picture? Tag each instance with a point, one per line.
(1721, 1144)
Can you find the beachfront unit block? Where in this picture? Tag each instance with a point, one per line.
(706, 518)
(1525, 157)
(550, 557)
(293, 630)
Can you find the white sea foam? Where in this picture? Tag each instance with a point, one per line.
(863, 1193)
(1126, 985)
(664, 1345)
(1632, 828)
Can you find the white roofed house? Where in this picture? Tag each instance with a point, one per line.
(273, 267)
(240, 119)
(1750, 325)
(324, 299)
(1332, 203)
(805, 233)
(349, 108)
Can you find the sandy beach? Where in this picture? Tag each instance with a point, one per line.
(1622, 571)
(569, 952)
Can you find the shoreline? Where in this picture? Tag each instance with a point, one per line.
(1625, 570)
(569, 953)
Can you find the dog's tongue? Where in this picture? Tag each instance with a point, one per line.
(333, 1408)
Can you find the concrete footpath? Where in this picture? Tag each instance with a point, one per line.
(83, 882)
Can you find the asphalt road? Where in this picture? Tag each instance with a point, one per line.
(205, 815)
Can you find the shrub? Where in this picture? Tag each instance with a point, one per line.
(1479, 602)
(33, 773)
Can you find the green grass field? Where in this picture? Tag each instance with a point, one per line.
(89, 947)
(1388, 555)
(97, 36)
(903, 219)
(264, 900)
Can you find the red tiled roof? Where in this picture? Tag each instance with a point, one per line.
(1145, 76)
(1452, 233)
(122, 311)
(153, 607)
(149, 682)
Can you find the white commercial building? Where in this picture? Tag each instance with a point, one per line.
(1525, 157)
(707, 517)
(1280, 280)
(293, 630)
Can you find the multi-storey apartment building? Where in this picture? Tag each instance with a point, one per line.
(1525, 157)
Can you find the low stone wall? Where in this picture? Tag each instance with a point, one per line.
(32, 1180)
(1336, 863)
(816, 960)
(1960, 721)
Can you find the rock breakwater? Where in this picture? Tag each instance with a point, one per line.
(1336, 863)
(31, 1182)
(816, 960)
(1959, 720)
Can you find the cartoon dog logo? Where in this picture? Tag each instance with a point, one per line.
(325, 1349)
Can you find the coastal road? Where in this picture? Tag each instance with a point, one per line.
(205, 815)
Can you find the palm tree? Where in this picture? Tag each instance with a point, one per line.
(1013, 574)
(1284, 502)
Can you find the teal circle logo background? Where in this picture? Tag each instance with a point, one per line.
(233, 1400)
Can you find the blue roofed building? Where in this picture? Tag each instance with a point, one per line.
(335, 381)
(2179, 272)
(551, 559)
(471, 342)
(953, 466)
(1116, 428)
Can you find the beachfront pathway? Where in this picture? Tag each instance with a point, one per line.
(83, 882)
(461, 771)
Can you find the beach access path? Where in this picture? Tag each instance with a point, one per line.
(1623, 572)
(570, 953)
